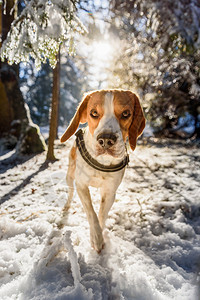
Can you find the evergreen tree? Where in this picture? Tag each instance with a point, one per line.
(15, 123)
(37, 90)
(160, 55)
(39, 31)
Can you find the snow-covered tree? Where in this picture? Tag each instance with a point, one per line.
(40, 30)
(16, 126)
(161, 42)
(36, 87)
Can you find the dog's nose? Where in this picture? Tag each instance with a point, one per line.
(106, 140)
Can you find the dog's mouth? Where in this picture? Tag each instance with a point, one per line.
(110, 151)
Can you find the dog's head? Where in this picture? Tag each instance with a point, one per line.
(112, 116)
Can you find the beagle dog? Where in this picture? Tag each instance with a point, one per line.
(99, 155)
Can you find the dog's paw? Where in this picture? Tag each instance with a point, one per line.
(103, 246)
(97, 242)
(98, 248)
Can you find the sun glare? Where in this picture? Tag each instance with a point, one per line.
(102, 50)
(101, 57)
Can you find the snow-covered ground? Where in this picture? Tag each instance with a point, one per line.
(152, 238)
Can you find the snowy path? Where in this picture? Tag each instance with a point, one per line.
(152, 237)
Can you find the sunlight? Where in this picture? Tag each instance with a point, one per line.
(102, 51)
(101, 57)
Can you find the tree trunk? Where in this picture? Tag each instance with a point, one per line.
(16, 126)
(54, 112)
(58, 94)
(7, 17)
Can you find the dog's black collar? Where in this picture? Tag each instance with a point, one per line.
(94, 163)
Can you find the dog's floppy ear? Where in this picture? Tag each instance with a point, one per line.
(138, 121)
(79, 117)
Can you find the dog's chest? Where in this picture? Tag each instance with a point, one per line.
(87, 175)
(98, 181)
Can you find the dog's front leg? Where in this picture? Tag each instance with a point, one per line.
(70, 178)
(107, 199)
(95, 229)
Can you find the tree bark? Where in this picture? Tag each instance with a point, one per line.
(7, 112)
(57, 124)
(54, 112)
(16, 126)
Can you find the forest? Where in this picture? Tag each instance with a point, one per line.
(52, 53)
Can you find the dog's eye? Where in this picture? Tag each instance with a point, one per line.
(94, 114)
(126, 114)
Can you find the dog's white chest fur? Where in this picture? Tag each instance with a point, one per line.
(85, 174)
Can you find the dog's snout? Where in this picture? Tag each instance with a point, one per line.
(106, 140)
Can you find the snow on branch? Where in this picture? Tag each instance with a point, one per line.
(40, 30)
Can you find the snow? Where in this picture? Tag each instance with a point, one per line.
(152, 235)
(32, 34)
